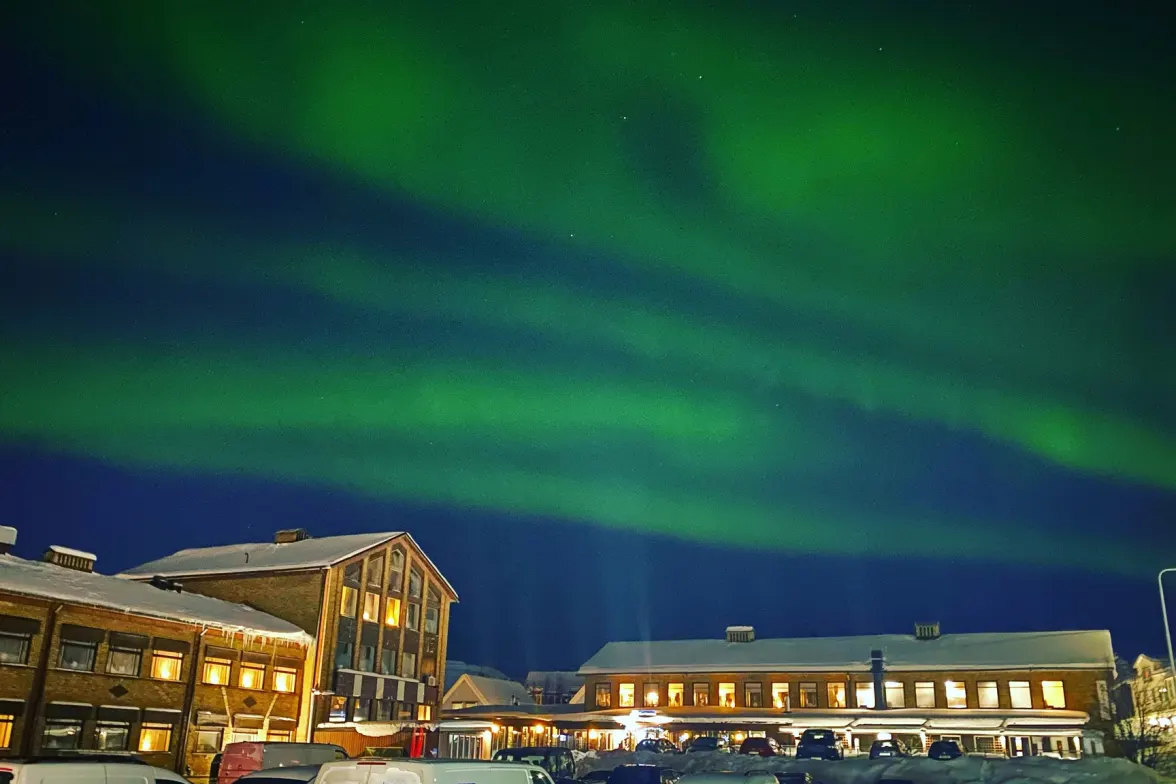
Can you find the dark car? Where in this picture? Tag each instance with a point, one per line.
(658, 746)
(556, 760)
(765, 747)
(819, 744)
(707, 743)
(945, 750)
(595, 777)
(881, 749)
(642, 774)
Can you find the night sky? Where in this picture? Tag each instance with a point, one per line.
(643, 318)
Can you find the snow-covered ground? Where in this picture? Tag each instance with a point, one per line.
(920, 770)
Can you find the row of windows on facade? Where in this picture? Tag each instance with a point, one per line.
(68, 735)
(352, 577)
(367, 660)
(345, 709)
(955, 692)
(165, 663)
(349, 608)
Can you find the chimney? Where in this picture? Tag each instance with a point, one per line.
(290, 535)
(7, 539)
(740, 634)
(927, 631)
(878, 670)
(78, 560)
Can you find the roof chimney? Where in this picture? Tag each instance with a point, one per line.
(78, 560)
(927, 631)
(290, 535)
(7, 539)
(164, 584)
(740, 634)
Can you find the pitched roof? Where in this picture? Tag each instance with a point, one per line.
(1064, 649)
(48, 581)
(495, 691)
(454, 669)
(312, 553)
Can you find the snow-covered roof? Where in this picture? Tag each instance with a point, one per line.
(454, 669)
(1019, 650)
(49, 581)
(555, 682)
(56, 548)
(312, 553)
(495, 691)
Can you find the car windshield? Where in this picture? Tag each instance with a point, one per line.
(705, 743)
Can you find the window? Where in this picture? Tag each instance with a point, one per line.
(166, 665)
(1019, 696)
(652, 695)
(62, 734)
(925, 694)
(396, 571)
(780, 696)
(627, 693)
(384, 709)
(986, 692)
(753, 695)
(424, 712)
(432, 620)
(343, 655)
(603, 695)
(285, 679)
(14, 648)
(124, 661)
(957, 694)
(375, 571)
(338, 709)
(351, 574)
(414, 584)
(216, 671)
(252, 676)
(392, 612)
(361, 709)
(408, 665)
(155, 737)
(413, 621)
(371, 607)
(367, 658)
(726, 695)
(280, 736)
(388, 660)
(77, 655)
(674, 694)
(702, 694)
(209, 741)
(895, 694)
(112, 736)
(808, 695)
(347, 604)
(836, 694)
(1053, 694)
(863, 695)
(6, 721)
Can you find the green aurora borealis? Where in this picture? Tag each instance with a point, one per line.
(779, 259)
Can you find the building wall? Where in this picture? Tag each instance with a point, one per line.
(292, 596)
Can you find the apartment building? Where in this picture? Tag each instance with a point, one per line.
(375, 604)
(94, 662)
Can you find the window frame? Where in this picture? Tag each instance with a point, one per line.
(1061, 688)
(371, 607)
(405, 670)
(809, 694)
(755, 688)
(77, 724)
(90, 647)
(703, 688)
(650, 694)
(433, 624)
(888, 687)
(104, 724)
(170, 656)
(606, 690)
(412, 620)
(375, 566)
(154, 727)
(137, 653)
(671, 690)
(989, 688)
(1015, 689)
(631, 689)
(955, 694)
(349, 601)
(217, 732)
(920, 692)
(392, 619)
(289, 672)
(830, 688)
(727, 689)
(24, 643)
(780, 695)
(210, 664)
(7, 723)
(252, 667)
(860, 687)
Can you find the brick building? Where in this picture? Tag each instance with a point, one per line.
(376, 605)
(94, 662)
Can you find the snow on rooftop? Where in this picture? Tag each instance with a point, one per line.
(35, 578)
(56, 548)
(500, 692)
(1063, 649)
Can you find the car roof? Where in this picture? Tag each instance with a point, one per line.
(290, 772)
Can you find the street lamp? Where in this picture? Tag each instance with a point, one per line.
(1164, 610)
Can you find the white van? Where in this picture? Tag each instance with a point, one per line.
(373, 770)
(53, 771)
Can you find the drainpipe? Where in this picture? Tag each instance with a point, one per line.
(189, 700)
(37, 692)
(878, 669)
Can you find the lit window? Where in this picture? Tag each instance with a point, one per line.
(780, 696)
(112, 736)
(413, 620)
(209, 741)
(956, 693)
(414, 585)
(348, 604)
(753, 695)
(375, 571)
(124, 661)
(836, 694)
(925, 694)
(424, 712)
(652, 695)
(252, 676)
(863, 694)
(628, 690)
(371, 607)
(285, 679)
(155, 737)
(77, 655)
(338, 709)
(726, 695)
(895, 694)
(987, 695)
(408, 665)
(701, 694)
(1053, 694)
(1019, 695)
(603, 695)
(6, 721)
(280, 736)
(166, 665)
(14, 648)
(808, 695)
(216, 671)
(432, 620)
(674, 695)
(392, 612)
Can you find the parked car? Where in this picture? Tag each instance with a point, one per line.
(379, 770)
(880, 749)
(658, 746)
(595, 777)
(642, 774)
(303, 773)
(245, 757)
(764, 747)
(751, 777)
(945, 750)
(707, 743)
(795, 777)
(819, 744)
(556, 760)
(82, 770)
